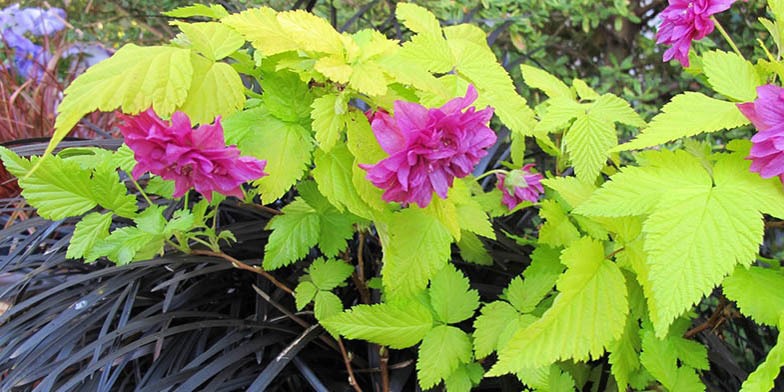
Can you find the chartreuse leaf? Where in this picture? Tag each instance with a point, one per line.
(397, 325)
(88, 231)
(215, 11)
(610, 107)
(285, 146)
(328, 274)
(311, 32)
(473, 250)
(573, 190)
(334, 176)
(539, 279)
(762, 379)
(557, 230)
(660, 358)
(328, 119)
(212, 39)
(540, 79)
(416, 247)
(464, 378)
(293, 234)
(451, 297)
(584, 91)
(287, 97)
(765, 303)
(586, 316)
(216, 90)
(588, 142)
(127, 244)
(477, 63)
(443, 349)
(61, 188)
(446, 213)
(363, 145)
(260, 26)
(692, 233)
(560, 111)
(304, 293)
(687, 114)
(731, 75)
(133, 79)
(488, 326)
(624, 352)
(418, 19)
(326, 304)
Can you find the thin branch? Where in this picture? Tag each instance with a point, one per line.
(364, 293)
(383, 353)
(347, 361)
(238, 264)
(611, 255)
(712, 321)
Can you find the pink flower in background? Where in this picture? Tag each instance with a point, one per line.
(767, 114)
(428, 148)
(520, 185)
(193, 158)
(684, 21)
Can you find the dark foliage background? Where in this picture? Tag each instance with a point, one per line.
(184, 323)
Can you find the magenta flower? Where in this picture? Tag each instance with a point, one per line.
(684, 21)
(520, 185)
(428, 148)
(767, 114)
(193, 158)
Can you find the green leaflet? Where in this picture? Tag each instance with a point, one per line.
(451, 297)
(730, 75)
(540, 79)
(334, 175)
(216, 90)
(92, 228)
(698, 228)
(586, 316)
(328, 274)
(558, 230)
(397, 325)
(688, 114)
(212, 39)
(763, 377)
(441, 352)
(328, 119)
(765, 303)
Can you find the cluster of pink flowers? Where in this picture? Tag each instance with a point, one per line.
(193, 158)
(767, 114)
(684, 21)
(520, 185)
(428, 148)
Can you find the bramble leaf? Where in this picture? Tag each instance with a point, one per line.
(489, 325)
(765, 303)
(216, 90)
(451, 297)
(539, 279)
(334, 176)
(212, 39)
(762, 379)
(304, 293)
(293, 234)
(443, 349)
(397, 325)
(328, 274)
(557, 230)
(215, 11)
(731, 75)
(540, 79)
(328, 119)
(92, 228)
(586, 316)
(326, 305)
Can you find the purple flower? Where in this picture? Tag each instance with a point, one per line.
(520, 185)
(192, 158)
(42, 22)
(428, 148)
(767, 114)
(31, 62)
(684, 21)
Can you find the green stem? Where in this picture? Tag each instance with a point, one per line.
(177, 246)
(727, 37)
(205, 243)
(144, 195)
(253, 94)
(485, 174)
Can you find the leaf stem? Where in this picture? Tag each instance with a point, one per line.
(238, 264)
(727, 36)
(347, 361)
(494, 171)
(141, 191)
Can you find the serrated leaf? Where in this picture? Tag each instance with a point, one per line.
(560, 111)
(697, 232)
(461, 379)
(473, 250)
(731, 75)
(215, 11)
(159, 186)
(92, 228)
(573, 190)
(418, 19)
(287, 97)
(762, 379)
(397, 325)
(133, 79)
(428, 51)
(624, 352)
(326, 305)
(488, 326)
(285, 146)
(112, 194)
(334, 176)
(336, 228)
(311, 32)
(417, 247)
(540, 79)
(471, 217)
(540, 278)
(127, 244)
(611, 108)
(446, 213)
(588, 142)
(328, 274)
(765, 303)
(660, 359)
(293, 234)
(368, 78)
(216, 90)
(586, 316)
(583, 90)
(304, 293)
(328, 119)
(690, 353)
(260, 26)
(687, 114)
(212, 39)
(451, 296)
(443, 349)
(557, 230)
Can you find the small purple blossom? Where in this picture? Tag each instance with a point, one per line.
(193, 158)
(29, 59)
(520, 185)
(767, 114)
(428, 148)
(684, 21)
